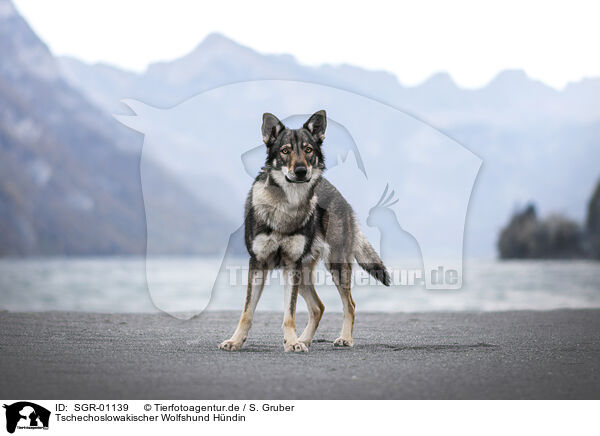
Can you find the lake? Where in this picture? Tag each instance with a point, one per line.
(118, 284)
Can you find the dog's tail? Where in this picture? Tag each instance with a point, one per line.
(369, 260)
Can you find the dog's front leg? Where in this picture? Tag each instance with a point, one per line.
(256, 282)
(293, 277)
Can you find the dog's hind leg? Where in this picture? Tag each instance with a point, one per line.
(256, 282)
(293, 280)
(342, 277)
(315, 312)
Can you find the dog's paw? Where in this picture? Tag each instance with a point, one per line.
(343, 342)
(298, 347)
(305, 342)
(230, 345)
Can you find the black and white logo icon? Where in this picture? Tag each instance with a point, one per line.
(26, 415)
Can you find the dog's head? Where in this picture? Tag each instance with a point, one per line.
(296, 153)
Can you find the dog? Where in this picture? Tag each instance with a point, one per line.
(294, 218)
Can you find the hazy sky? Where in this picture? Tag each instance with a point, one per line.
(552, 41)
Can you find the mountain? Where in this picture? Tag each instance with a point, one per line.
(538, 144)
(70, 174)
(510, 98)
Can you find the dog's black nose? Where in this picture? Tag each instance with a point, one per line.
(300, 171)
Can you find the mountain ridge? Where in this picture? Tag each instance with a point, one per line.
(218, 60)
(523, 129)
(70, 174)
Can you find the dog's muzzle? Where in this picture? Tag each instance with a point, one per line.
(301, 174)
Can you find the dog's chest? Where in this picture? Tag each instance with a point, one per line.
(286, 215)
(267, 246)
(273, 208)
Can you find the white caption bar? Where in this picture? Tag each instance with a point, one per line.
(299, 417)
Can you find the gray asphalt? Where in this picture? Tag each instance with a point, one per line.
(508, 355)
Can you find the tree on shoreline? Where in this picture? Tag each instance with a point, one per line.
(528, 237)
(593, 224)
(556, 237)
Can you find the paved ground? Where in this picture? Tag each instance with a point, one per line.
(57, 355)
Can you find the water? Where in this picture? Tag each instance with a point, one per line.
(119, 285)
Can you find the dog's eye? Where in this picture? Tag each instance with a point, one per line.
(285, 151)
(308, 150)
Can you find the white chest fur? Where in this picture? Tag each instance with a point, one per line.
(265, 246)
(285, 211)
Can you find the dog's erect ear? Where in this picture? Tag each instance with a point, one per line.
(271, 128)
(317, 124)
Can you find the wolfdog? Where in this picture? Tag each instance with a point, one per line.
(293, 218)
